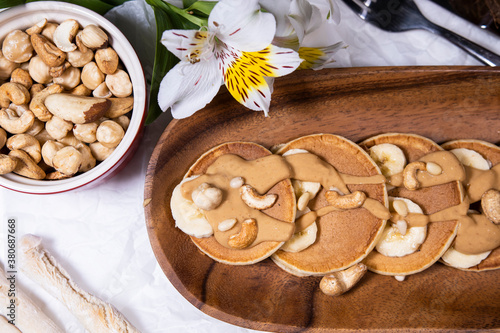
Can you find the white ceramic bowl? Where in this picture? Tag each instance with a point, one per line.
(23, 17)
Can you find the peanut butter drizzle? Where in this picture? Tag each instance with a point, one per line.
(262, 174)
(376, 208)
(452, 170)
(479, 181)
(476, 234)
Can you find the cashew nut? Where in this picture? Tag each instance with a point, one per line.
(6, 67)
(253, 200)
(36, 88)
(102, 91)
(124, 122)
(400, 207)
(78, 58)
(69, 79)
(17, 46)
(410, 180)
(3, 137)
(337, 283)
(85, 132)
(14, 124)
(39, 70)
(303, 201)
(110, 133)
(246, 236)
(21, 76)
(99, 151)
(25, 166)
(64, 35)
(92, 76)
(237, 182)
(37, 28)
(207, 197)
(81, 90)
(7, 164)
(94, 37)
(490, 203)
(48, 30)
(107, 60)
(70, 140)
(13, 92)
(119, 83)
(43, 136)
(348, 201)
(67, 160)
(47, 51)
(79, 44)
(37, 104)
(27, 143)
(58, 128)
(226, 224)
(49, 150)
(88, 161)
(56, 175)
(36, 128)
(119, 106)
(59, 70)
(434, 168)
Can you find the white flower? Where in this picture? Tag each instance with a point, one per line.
(234, 49)
(306, 26)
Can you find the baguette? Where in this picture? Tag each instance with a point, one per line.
(29, 317)
(6, 327)
(94, 314)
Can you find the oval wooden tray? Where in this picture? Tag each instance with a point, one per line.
(442, 103)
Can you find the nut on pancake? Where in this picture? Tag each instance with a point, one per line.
(344, 237)
(283, 210)
(490, 152)
(440, 235)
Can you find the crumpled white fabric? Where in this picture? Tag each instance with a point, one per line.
(99, 234)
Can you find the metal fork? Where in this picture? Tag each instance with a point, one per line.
(403, 15)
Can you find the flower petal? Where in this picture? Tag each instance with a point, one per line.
(304, 17)
(280, 9)
(188, 87)
(188, 45)
(241, 24)
(244, 73)
(318, 57)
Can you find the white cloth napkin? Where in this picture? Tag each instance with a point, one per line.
(99, 234)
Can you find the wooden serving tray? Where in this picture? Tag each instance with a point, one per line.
(442, 103)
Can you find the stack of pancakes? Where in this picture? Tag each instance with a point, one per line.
(346, 237)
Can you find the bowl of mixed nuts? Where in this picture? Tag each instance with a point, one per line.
(72, 98)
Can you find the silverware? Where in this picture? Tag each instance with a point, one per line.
(403, 15)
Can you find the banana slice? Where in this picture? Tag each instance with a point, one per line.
(390, 158)
(301, 240)
(394, 242)
(471, 158)
(460, 260)
(187, 216)
(452, 257)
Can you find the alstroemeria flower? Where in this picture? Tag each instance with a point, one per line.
(298, 24)
(234, 49)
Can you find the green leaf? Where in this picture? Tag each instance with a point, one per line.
(97, 6)
(202, 8)
(164, 61)
(10, 3)
(188, 3)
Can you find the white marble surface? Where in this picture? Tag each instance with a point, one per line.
(99, 235)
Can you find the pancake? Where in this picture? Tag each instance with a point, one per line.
(344, 237)
(431, 200)
(283, 210)
(491, 153)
